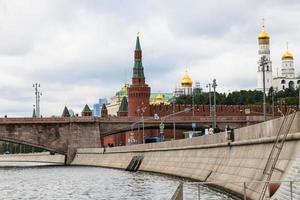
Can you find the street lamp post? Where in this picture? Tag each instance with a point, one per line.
(38, 95)
(262, 64)
(299, 96)
(214, 85)
(174, 126)
(193, 102)
(173, 114)
(141, 111)
(273, 106)
(209, 97)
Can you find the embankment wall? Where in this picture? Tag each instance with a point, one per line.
(208, 158)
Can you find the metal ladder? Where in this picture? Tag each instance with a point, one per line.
(276, 150)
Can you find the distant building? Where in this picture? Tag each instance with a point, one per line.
(161, 98)
(115, 101)
(97, 107)
(186, 86)
(96, 110)
(287, 77)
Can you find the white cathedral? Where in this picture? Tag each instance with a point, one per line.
(286, 78)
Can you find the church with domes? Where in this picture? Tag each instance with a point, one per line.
(186, 86)
(286, 77)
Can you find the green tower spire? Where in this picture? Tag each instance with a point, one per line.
(124, 105)
(137, 44)
(138, 69)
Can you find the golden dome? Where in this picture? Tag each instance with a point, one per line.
(186, 81)
(287, 55)
(263, 35)
(159, 97)
(158, 100)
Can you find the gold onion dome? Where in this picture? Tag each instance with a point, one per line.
(287, 55)
(263, 35)
(186, 81)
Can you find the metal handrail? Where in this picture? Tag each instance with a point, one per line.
(244, 183)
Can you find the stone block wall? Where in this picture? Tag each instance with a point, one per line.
(210, 158)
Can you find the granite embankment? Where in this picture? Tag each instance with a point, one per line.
(209, 158)
(43, 157)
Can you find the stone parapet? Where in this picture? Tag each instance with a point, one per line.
(43, 157)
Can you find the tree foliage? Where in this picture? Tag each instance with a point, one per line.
(288, 96)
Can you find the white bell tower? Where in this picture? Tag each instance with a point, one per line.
(264, 51)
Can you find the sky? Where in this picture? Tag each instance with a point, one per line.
(82, 50)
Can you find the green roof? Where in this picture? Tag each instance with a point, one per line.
(86, 108)
(124, 105)
(66, 112)
(123, 91)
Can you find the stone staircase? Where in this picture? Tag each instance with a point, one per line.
(284, 192)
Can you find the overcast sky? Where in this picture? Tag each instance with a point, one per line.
(80, 51)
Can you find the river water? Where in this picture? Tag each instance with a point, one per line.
(85, 183)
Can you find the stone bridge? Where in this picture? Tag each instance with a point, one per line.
(65, 135)
(59, 135)
(122, 124)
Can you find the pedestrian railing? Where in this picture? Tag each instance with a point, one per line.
(292, 192)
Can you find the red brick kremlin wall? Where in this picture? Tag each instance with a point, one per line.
(222, 110)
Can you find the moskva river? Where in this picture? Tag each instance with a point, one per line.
(67, 182)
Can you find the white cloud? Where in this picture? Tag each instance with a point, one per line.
(80, 50)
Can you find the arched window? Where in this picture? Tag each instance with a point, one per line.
(282, 81)
(291, 84)
(298, 82)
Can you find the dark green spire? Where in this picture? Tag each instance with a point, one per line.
(124, 105)
(66, 112)
(138, 69)
(86, 109)
(138, 45)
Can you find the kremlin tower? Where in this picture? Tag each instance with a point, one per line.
(139, 91)
(264, 50)
(287, 69)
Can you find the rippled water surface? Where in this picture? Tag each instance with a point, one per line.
(50, 182)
